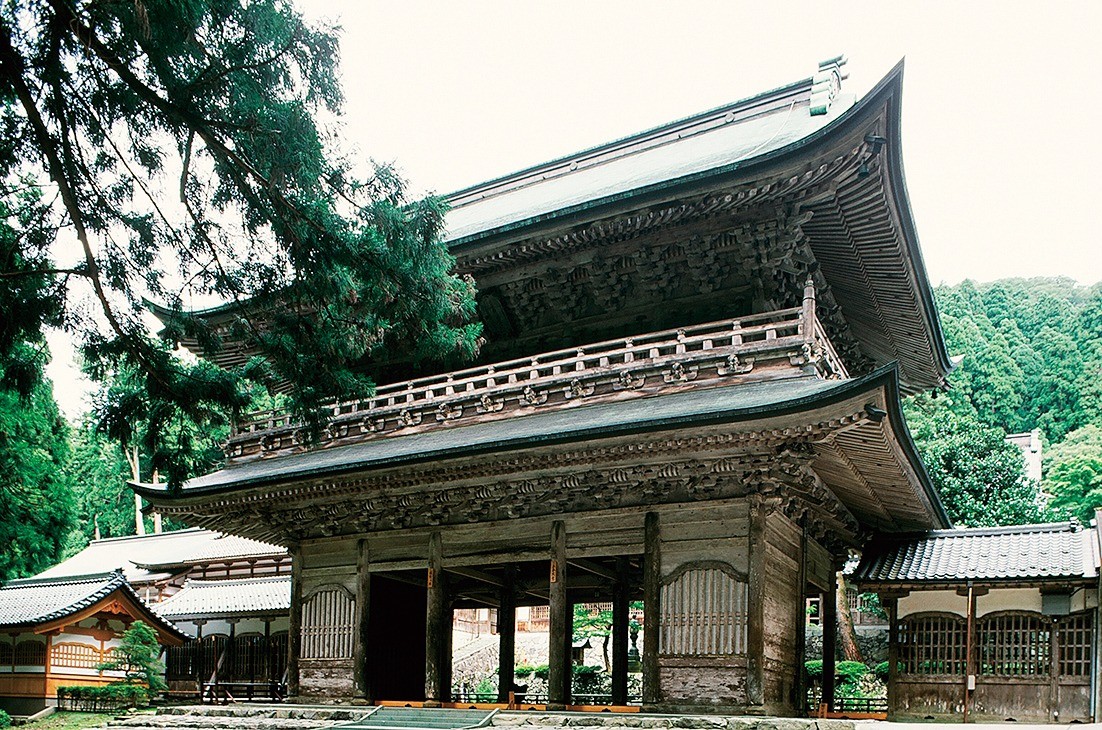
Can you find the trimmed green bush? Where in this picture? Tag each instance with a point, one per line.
(523, 671)
(5, 719)
(541, 672)
(850, 672)
(114, 696)
(814, 668)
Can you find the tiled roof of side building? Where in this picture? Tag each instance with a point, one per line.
(144, 558)
(1022, 553)
(225, 597)
(31, 602)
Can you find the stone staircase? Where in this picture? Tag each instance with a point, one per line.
(418, 718)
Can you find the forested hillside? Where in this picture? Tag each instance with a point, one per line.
(1031, 357)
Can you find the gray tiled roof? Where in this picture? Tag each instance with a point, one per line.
(1061, 550)
(575, 424)
(223, 597)
(144, 558)
(33, 601)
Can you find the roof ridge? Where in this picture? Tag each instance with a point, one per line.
(1067, 525)
(122, 538)
(114, 574)
(234, 581)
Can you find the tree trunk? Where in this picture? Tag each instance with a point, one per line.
(851, 652)
(604, 647)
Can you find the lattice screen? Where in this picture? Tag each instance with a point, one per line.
(1073, 636)
(703, 612)
(30, 654)
(1014, 644)
(72, 654)
(328, 618)
(932, 644)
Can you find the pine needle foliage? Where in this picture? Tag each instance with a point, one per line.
(181, 149)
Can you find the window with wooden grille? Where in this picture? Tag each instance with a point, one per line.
(1015, 644)
(1073, 636)
(703, 611)
(932, 643)
(30, 654)
(328, 618)
(6, 654)
(72, 654)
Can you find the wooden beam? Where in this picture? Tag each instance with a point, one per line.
(755, 620)
(360, 675)
(652, 583)
(507, 634)
(557, 655)
(620, 609)
(436, 624)
(294, 628)
(476, 574)
(591, 566)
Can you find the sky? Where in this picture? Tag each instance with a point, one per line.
(1001, 103)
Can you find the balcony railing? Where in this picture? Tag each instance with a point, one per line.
(783, 343)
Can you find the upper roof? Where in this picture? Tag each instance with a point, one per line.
(228, 597)
(717, 138)
(147, 558)
(1023, 553)
(32, 602)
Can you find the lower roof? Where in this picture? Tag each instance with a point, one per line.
(37, 603)
(241, 597)
(1059, 551)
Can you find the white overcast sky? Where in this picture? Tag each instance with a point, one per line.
(1001, 102)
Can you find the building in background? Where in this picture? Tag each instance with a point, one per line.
(1030, 444)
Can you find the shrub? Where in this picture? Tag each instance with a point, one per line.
(523, 671)
(881, 671)
(850, 672)
(112, 696)
(541, 672)
(5, 719)
(588, 679)
(814, 668)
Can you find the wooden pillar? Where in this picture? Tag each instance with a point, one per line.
(361, 678)
(892, 606)
(507, 636)
(620, 619)
(829, 610)
(970, 628)
(558, 653)
(800, 684)
(652, 585)
(755, 620)
(436, 625)
(294, 627)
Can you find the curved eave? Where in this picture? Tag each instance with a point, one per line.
(884, 379)
(884, 100)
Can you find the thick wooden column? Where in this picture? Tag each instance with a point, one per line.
(755, 619)
(507, 636)
(892, 606)
(558, 653)
(361, 679)
(620, 618)
(800, 686)
(829, 609)
(436, 625)
(294, 626)
(652, 585)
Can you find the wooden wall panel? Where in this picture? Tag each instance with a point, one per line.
(782, 594)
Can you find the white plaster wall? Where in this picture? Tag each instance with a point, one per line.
(998, 599)
(921, 601)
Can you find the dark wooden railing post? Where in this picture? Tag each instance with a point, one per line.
(558, 654)
(652, 608)
(620, 622)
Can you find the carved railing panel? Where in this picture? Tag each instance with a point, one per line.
(707, 355)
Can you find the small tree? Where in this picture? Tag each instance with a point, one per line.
(138, 656)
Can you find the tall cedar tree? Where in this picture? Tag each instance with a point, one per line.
(178, 145)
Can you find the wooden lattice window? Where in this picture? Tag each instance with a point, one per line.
(72, 654)
(30, 653)
(6, 654)
(932, 643)
(1074, 636)
(1014, 644)
(704, 608)
(328, 622)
